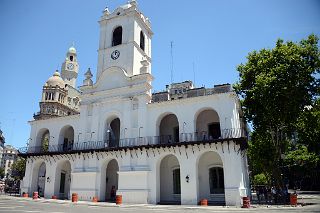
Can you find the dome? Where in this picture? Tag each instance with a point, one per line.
(55, 80)
(72, 50)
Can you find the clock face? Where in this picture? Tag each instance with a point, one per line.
(70, 66)
(115, 54)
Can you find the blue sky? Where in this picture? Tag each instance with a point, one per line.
(213, 35)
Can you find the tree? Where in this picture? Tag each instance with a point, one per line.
(18, 169)
(308, 127)
(2, 172)
(275, 86)
(260, 179)
(45, 144)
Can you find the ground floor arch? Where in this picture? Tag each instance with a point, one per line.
(39, 178)
(63, 180)
(170, 180)
(109, 180)
(42, 179)
(211, 178)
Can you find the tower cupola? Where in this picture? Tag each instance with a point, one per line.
(70, 67)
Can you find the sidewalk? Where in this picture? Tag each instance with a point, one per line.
(151, 206)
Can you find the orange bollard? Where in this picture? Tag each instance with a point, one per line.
(293, 199)
(204, 202)
(246, 202)
(118, 199)
(35, 195)
(74, 197)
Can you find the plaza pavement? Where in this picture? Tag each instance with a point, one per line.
(10, 204)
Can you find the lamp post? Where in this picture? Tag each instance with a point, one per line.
(139, 133)
(52, 148)
(91, 135)
(108, 137)
(79, 135)
(28, 141)
(124, 132)
(183, 134)
(139, 130)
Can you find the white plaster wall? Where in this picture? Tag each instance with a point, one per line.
(140, 174)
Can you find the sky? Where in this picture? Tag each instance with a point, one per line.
(210, 38)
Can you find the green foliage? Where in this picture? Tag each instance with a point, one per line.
(18, 168)
(301, 157)
(260, 179)
(45, 144)
(2, 172)
(308, 127)
(276, 85)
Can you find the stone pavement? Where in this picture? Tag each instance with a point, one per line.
(40, 205)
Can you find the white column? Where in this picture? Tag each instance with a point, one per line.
(188, 168)
(233, 176)
(49, 183)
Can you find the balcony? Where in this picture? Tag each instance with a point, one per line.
(238, 135)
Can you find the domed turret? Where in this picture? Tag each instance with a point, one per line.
(55, 80)
(72, 50)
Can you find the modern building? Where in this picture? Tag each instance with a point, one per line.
(2, 142)
(9, 156)
(114, 136)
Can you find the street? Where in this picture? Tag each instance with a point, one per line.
(17, 205)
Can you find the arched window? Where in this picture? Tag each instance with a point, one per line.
(71, 58)
(142, 40)
(117, 36)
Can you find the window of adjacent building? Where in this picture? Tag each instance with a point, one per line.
(117, 36)
(216, 180)
(142, 40)
(176, 181)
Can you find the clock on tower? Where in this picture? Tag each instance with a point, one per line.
(70, 67)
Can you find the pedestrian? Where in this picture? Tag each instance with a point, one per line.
(113, 193)
(273, 194)
(258, 194)
(265, 193)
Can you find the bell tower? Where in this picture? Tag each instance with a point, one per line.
(125, 40)
(70, 67)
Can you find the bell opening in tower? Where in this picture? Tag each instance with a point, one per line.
(117, 36)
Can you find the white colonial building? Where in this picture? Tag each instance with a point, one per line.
(177, 146)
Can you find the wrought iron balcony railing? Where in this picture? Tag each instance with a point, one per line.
(136, 142)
